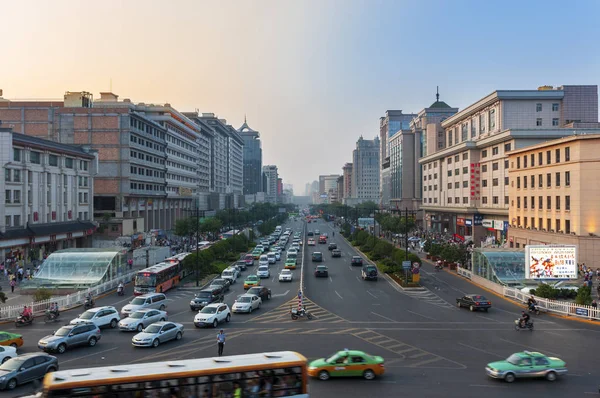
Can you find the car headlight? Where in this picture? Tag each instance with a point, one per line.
(192, 302)
(2, 378)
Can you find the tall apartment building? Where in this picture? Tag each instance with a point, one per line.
(466, 184)
(271, 175)
(365, 171)
(48, 191)
(340, 188)
(390, 124)
(347, 180)
(553, 194)
(252, 160)
(328, 188)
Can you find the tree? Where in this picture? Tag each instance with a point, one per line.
(212, 226)
(584, 296)
(184, 227)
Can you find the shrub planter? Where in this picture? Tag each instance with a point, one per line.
(401, 280)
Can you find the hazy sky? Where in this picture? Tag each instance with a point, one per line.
(312, 76)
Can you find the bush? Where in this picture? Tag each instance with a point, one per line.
(3, 297)
(584, 296)
(216, 267)
(546, 291)
(42, 294)
(387, 265)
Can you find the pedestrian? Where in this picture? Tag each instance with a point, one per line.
(221, 341)
(594, 304)
(12, 285)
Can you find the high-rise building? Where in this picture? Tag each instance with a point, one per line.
(252, 159)
(365, 171)
(466, 184)
(307, 189)
(328, 188)
(271, 175)
(347, 183)
(340, 188)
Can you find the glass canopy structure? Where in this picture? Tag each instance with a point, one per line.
(503, 266)
(79, 268)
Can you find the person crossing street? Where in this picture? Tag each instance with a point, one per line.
(221, 341)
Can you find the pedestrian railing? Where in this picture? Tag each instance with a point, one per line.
(555, 306)
(68, 301)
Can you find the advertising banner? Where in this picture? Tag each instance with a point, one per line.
(550, 262)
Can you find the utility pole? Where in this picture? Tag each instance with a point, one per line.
(197, 247)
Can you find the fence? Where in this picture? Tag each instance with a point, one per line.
(68, 301)
(548, 305)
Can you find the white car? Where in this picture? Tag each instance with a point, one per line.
(212, 315)
(148, 300)
(292, 250)
(231, 274)
(296, 246)
(259, 247)
(271, 258)
(277, 255)
(7, 352)
(263, 271)
(139, 319)
(101, 316)
(285, 275)
(246, 303)
(157, 333)
(263, 260)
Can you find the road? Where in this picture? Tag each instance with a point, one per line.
(431, 347)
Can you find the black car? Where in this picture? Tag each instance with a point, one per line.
(474, 302)
(332, 246)
(263, 292)
(321, 270)
(336, 253)
(206, 297)
(241, 265)
(220, 283)
(317, 257)
(356, 260)
(369, 272)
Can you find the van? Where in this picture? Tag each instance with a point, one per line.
(155, 301)
(369, 272)
(264, 260)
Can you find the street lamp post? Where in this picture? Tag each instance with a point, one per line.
(197, 247)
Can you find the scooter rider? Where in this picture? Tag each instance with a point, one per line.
(54, 309)
(120, 287)
(26, 314)
(89, 299)
(531, 303)
(524, 319)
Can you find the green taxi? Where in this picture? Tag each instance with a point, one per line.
(251, 280)
(290, 263)
(347, 363)
(527, 364)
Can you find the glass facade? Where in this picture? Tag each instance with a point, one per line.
(79, 268)
(506, 267)
(252, 163)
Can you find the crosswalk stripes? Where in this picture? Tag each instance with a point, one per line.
(429, 297)
(281, 314)
(411, 356)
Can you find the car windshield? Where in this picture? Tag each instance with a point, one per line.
(219, 282)
(263, 268)
(244, 299)
(63, 332)
(145, 280)
(138, 301)
(209, 310)
(12, 364)
(88, 315)
(286, 272)
(514, 359)
(321, 268)
(479, 298)
(153, 329)
(332, 358)
(137, 315)
(252, 278)
(204, 295)
(227, 273)
(254, 290)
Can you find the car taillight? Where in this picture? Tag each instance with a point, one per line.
(381, 365)
(489, 303)
(98, 331)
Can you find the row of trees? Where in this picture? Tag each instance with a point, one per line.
(381, 251)
(448, 252)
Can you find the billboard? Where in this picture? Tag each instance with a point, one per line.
(550, 262)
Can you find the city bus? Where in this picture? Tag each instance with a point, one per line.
(274, 374)
(160, 277)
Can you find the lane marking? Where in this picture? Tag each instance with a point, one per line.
(531, 348)
(330, 280)
(384, 317)
(368, 292)
(358, 279)
(424, 316)
(489, 319)
(480, 350)
(90, 355)
(338, 295)
(415, 365)
(486, 386)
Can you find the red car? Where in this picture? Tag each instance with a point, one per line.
(322, 239)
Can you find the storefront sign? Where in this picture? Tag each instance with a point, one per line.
(460, 222)
(477, 219)
(475, 178)
(550, 262)
(487, 223)
(468, 222)
(183, 191)
(499, 225)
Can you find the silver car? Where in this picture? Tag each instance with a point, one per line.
(158, 333)
(70, 336)
(139, 319)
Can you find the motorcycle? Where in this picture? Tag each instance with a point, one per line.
(22, 321)
(528, 325)
(121, 291)
(300, 313)
(51, 317)
(439, 266)
(534, 309)
(88, 303)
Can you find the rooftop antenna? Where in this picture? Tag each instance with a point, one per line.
(437, 94)
(244, 118)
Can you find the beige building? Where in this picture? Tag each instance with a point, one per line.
(347, 184)
(554, 190)
(466, 183)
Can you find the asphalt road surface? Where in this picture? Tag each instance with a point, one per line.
(431, 347)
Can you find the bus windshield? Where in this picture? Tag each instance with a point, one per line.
(148, 280)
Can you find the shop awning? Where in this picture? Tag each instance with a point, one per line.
(48, 229)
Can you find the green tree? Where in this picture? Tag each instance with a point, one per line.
(184, 227)
(584, 296)
(211, 226)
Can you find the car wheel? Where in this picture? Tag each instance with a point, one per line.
(113, 323)
(178, 336)
(92, 341)
(509, 377)
(139, 328)
(323, 375)
(61, 348)
(228, 318)
(551, 376)
(162, 319)
(155, 343)
(458, 304)
(258, 306)
(12, 383)
(14, 345)
(5, 359)
(215, 323)
(50, 370)
(250, 310)
(471, 308)
(369, 374)
(162, 307)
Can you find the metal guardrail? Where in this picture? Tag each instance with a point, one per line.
(555, 306)
(65, 302)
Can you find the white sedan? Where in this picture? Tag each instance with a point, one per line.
(7, 352)
(212, 315)
(285, 275)
(246, 303)
(292, 251)
(139, 319)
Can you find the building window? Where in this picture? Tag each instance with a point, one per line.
(518, 162)
(558, 224)
(524, 202)
(494, 200)
(525, 222)
(484, 168)
(17, 220)
(53, 160)
(525, 161)
(518, 220)
(548, 180)
(567, 154)
(567, 178)
(457, 158)
(465, 184)
(538, 122)
(557, 204)
(524, 182)
(505, 180)
(465, 200)
(449, 200)
(17, 196)
(555, 122)
(456, 199)
(484, 183)
(518, 202)
(567, 202)
(532, 201)
(456, 171)
(16, 155)
(465, 132)
(538, 107)
(507, 147)
(548, 203)
(484, 153)
(540, 181)
(548, 157)
(540, 202)
(558, 179)
(34, 157)
(506, 200)
(505, 164)
(465, 170)
(482, 123)
(532, 181)
(450, 137)
(30, 197)
(7, 175)
(69, 163)
(495, 182)
(484, 200)
(83, 165)
(449, 185)
(457, 184)
(7, 196)
(554, 107)
(7, 221)
(449, 159)
(540, 223)
(548, 224)
(540, 158)
(518, 182)
(495, 150)
(567, 226)
(473, 129)
(465, 156)
(492, 116)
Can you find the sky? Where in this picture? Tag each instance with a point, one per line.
(311, 75)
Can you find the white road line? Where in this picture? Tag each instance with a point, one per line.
(350, 268)
(426, 317)
(338, 295)
(489, 319)
(368, 292)
(330, 280)
(479, 349)
(182, 312)
(531, 348)
(358, 279)
(384, 317)
(86, 356)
